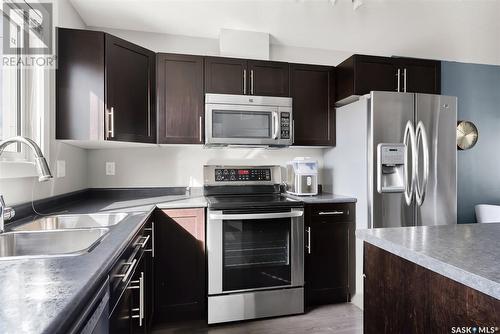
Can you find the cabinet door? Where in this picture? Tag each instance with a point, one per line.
(120, 320)
(79, 84)
(314, 122)
(149, 270)
(329, 262)
(268, 78)
(137, 286)
(130, 71)
(226, 76)
(360, 74)
(180, 99)
(375, 73)
(422, 76)
(180, 286)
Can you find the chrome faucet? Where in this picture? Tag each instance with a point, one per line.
(44, 174)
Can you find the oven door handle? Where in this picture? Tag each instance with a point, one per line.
(248, 216)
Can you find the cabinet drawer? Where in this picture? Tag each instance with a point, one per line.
(333, 212)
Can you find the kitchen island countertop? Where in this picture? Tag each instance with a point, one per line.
(466, 253)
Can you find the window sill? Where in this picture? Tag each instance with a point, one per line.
(17, 169)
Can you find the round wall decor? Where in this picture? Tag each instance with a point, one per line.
(466, 135)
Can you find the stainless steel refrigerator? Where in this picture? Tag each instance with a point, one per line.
(406, 145)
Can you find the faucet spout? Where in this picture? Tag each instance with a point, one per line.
(42, 166)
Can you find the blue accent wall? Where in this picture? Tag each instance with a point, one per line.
(478, 90)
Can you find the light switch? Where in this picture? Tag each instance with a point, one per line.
(110, 168)
(60, 168)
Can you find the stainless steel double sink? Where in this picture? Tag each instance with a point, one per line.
(58, 235)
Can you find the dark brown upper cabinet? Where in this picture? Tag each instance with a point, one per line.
(225, 75)
(312, 91)
(360, 74)
(246, 77)
(104, 88)
(420, 75)
(268, 78)
(130, 74)
(180, 99)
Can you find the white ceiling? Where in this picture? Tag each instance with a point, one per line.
(462, 30)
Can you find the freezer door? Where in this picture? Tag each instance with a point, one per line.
(390, 114)
(436, 190)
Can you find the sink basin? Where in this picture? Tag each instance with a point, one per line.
(49, 243)
(60, 222)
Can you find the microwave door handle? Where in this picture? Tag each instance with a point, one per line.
(248, 216)
(275, 125)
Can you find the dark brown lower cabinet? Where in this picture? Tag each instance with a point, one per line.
(180, 279)
(403, 297)
(329, 253)
(131, 307)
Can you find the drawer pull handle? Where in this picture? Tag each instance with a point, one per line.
(331, 213)
(129, 270)
(144, 242)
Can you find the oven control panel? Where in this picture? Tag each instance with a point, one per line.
(285, 125)
(237, 174)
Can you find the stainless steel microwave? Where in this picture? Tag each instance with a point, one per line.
(248, 120)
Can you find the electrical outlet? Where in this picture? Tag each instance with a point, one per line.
(60, 168)
(110, 168)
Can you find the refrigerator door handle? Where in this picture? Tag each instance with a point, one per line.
(421, 135)
(410, 145)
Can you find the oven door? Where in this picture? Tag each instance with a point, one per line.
(255, 250)
(232, 124)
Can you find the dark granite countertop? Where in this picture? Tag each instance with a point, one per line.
(324, 197)
(466, 253)
(41, 295)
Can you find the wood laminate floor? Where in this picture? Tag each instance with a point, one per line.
(337, 318)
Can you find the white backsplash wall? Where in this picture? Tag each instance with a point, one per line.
(179, 166)
(20, 190)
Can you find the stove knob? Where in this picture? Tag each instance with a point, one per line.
(232, 178)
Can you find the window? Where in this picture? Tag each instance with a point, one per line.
(22, 97)
(10, 97)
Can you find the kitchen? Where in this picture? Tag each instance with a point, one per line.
(243, 174)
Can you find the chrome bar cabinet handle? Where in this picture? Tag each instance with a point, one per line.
(251, 82)
(329, 213)
(308, 246)
(398, 76)
(152, 229)
(244, 82)
(200, 134)
(131, 267)
(144, 242)
(404, 81)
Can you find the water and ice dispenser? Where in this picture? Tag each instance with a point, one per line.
(390, 168)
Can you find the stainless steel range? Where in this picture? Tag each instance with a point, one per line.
(255, 245)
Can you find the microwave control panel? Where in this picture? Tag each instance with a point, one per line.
(285, 125)
(236, 174)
